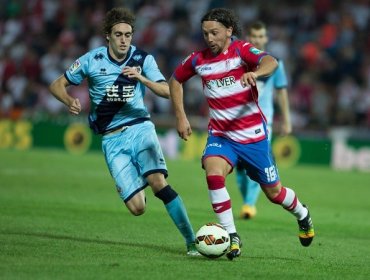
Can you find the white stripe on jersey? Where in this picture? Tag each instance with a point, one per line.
(219, 66)
(243, 134)
(226, 91)
(234, 113)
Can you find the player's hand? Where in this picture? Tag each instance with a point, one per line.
(132, 73)
(248, 79)
(75, 107)
(183, 128)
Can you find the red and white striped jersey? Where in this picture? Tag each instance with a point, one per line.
(234, 111)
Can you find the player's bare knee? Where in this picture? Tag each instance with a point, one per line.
(137, 210)
(156, 181)
(272, 192)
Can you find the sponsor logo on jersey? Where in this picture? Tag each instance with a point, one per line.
(218, 83)
(137, 57)
(117, 93)
(75, 66)
(255, 50)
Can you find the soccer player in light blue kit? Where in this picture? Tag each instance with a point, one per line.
(117, 75)
(267, 86)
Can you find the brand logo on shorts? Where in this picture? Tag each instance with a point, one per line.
(257, 131)
(217, 145)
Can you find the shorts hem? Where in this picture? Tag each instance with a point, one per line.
(135, 192)
(163, 171)
(269, 185)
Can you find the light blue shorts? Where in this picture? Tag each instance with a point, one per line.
(132, 155)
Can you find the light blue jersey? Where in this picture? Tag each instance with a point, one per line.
(116, 100)
(266, 87)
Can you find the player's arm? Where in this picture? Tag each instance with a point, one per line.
(176, 95)
(58, 89)
(266, 66)
(159, 88)
(283, 102)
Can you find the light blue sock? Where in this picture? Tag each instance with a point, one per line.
(249, 189)
(177, 211)
(241, 180)
(253, 191)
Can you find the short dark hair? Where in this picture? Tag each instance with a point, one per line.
(226, 17)
(118, 15)
(257, 25)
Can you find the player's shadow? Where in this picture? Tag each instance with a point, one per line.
(98, 241)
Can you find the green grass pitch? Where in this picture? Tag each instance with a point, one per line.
(61, 218)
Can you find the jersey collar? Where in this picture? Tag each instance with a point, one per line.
(119, 63)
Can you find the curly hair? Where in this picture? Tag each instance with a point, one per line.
(226, 17)
(118, 15)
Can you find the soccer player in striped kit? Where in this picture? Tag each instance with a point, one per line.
(237, 131)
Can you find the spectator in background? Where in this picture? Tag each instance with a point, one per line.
(329, 30)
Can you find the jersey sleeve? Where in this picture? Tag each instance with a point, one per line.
(280, 79)
(151, 70)
(78, 70)
(251, 55)
(186, 69)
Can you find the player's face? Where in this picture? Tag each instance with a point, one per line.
(120, 40)
(258, 38)
(217, 36)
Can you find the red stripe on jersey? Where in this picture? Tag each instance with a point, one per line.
(249, 140)
(230, 101)
(237, 73)
(236, 124)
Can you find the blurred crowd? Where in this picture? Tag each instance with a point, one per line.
(324, 44)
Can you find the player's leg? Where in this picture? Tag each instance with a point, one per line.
(287, 198)
(152, 165)
(175, 208)
(262, 168)
(136, 204)
(129, 184)
(249, 190)
(218, 163)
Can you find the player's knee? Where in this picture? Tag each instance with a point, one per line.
(156, 181)
(137, 210)
(136, 204)
(272, 193)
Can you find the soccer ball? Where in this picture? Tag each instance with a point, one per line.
(212, 240)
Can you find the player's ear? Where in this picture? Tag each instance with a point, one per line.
(229, 32)
(107, 36)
